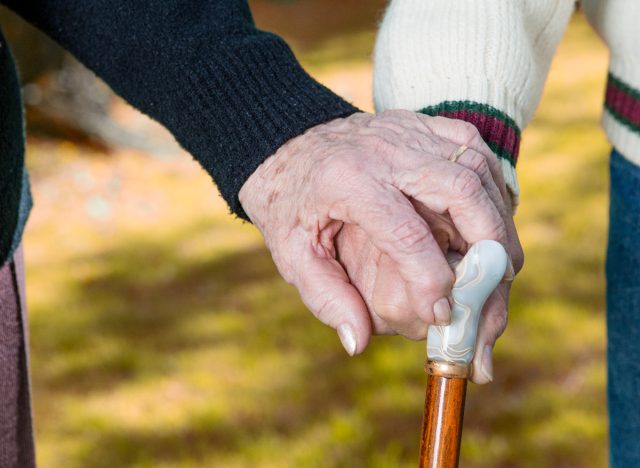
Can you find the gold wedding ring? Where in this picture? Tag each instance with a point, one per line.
(457, 153)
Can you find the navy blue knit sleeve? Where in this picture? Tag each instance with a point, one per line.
(230, 93)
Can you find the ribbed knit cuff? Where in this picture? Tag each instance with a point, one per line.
(621, 118)
(498, 130)
(254, 96)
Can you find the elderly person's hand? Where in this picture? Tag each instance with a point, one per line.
(382, 288)
(380, 284)
(377, 173)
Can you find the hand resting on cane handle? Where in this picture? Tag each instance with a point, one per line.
(477, 275)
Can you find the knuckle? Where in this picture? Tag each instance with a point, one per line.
(478, 163)
(391, 312)
(466, 131)
(335, 169)
(443, 283)
(437, 283)
(409, 235)
(324, 306)
(466, 184)
(380, 143)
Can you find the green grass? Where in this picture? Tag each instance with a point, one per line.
(162, 334)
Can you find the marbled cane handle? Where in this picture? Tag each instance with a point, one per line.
(477, 275)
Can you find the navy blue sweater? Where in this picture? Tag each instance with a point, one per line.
(230, 93)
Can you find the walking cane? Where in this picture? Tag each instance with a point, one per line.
(450, 352)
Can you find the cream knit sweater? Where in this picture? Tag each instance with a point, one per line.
(486, 61)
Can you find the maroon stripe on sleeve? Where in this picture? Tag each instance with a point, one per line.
(494, 131)
(623, 104)
(499, 130)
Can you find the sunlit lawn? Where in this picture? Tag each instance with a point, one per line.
(162, 334)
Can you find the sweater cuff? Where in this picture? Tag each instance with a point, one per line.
(254, 97)
(621, 118)
(499, 131)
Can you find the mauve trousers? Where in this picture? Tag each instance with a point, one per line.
(16, 434)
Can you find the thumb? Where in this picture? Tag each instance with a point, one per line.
(492, 324)
(326, 290)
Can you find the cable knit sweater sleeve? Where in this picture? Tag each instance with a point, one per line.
(230, 93)
(484, 61)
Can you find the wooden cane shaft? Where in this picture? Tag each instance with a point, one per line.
(442, 424)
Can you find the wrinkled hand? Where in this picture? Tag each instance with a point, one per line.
(377, 278)
(377, 173)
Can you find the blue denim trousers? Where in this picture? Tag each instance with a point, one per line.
(623, 313)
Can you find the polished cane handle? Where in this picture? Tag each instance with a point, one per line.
(477, 275)
(450, 352)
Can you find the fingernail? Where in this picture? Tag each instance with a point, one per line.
(510, 274)
(442, 311)
(347, 338)
(487, 363)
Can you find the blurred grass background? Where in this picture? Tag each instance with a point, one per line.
(162, 335)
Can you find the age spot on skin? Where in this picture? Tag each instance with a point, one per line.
(273, 196)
